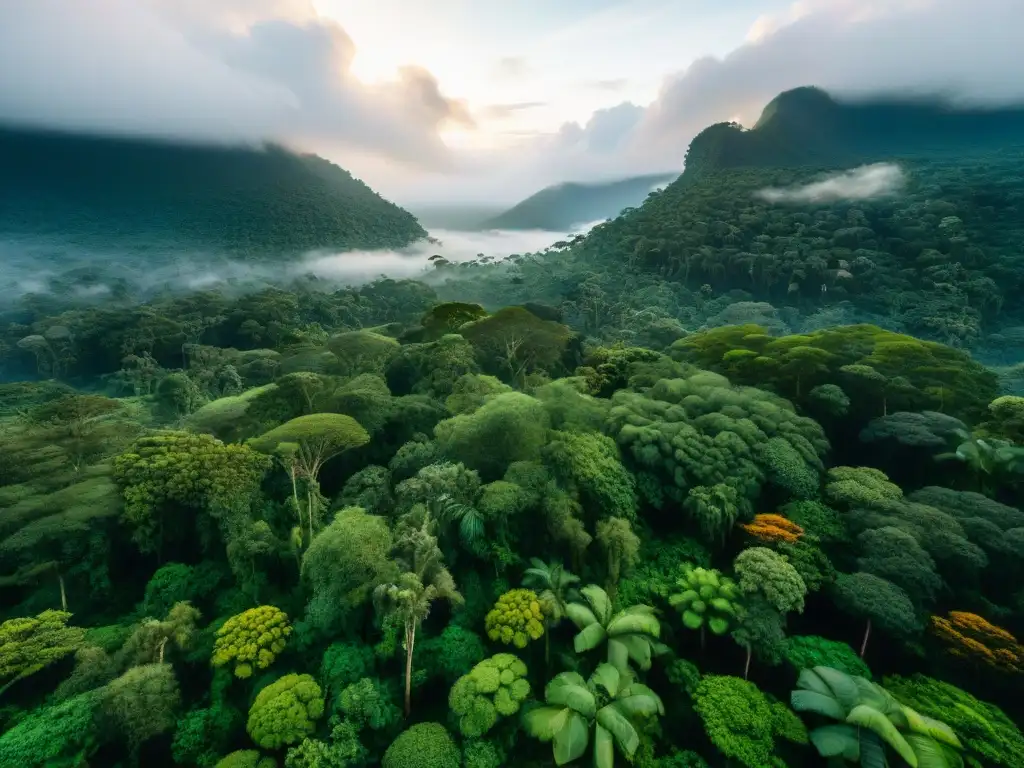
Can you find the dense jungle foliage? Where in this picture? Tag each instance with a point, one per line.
(103, 193)
(645, 503)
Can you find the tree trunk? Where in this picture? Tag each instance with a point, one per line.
(410, 641)
(163, 644)
(63, 592)
(295, 495)
(864, 644)
(746, 668)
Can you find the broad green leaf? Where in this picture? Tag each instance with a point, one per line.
(572, 694)
(635, 623)
(571, 741)
(609, 677)
(683, 598)
(604, 748)
(843, 686)
(930, 753)
(718, 626)
(872, 751)
(581, 615)
(692, 620)
(812, 701)
(809, 680)
(638, 648)
(618, 653)
(866, 717)
(589, 638)
(640, 609)
(620, 728)
(544, 722)
(928, 726)
(599, 602)
(838, 740)
(722, 605)
(638, 704)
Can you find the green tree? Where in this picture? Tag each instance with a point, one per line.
(737, 718)
(285, 712)
(29, 645)
(141, 703)
(707, 599)
(423, 579)
(556, 588)
(424, 745)
(631, 634)
(496, 687)
(609, 704)
(621, 548)
(878, 602)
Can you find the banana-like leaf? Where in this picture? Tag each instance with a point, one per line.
(640, 610)
(718, 625)
(572, 692)
(571, 741)
(843, 686)
(604, 748)
(639, 689)
(581, 615)
(866, 717)
(683, 598)
(609, 677)
(872, 751)
(637, 647)
(812, 701)
(722, 605)
(932, 754)
(620, 728)
(635, 624)
(809, 680)
(544, 722)
(928, 726)
(692, 620)
(638, 704)
(599, 602)
(589, 638)
(839, 740)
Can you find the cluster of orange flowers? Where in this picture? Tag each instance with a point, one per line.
(971, 637)
(773, 528)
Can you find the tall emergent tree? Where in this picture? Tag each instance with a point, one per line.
(423, 580)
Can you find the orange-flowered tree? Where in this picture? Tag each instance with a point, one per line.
(773, 529)
(970, 637)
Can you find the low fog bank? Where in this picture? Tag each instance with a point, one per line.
(77, 275)
(866, 182)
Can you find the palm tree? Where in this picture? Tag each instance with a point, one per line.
(424, 580)
(608, 703)
(555, 586)
(631, 633)
(987, 459)
(870, 718)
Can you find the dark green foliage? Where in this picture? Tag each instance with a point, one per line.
(59, 736)
(452, 653)
(367, 703)
(817, 519)
(343, 664)
(807, 651)
(203, 735)
(424, 745)
(141, 703)
(170, 584)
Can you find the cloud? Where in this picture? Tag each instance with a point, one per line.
(234, 70)
(504, 111)
(868, 182)
(612, 85)
(510, 67)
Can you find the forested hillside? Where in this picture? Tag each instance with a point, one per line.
(667, 495)
(105, 193)
(563, 206)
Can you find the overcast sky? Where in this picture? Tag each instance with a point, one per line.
(482, 101)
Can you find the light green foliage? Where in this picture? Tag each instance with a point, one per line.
(432, 482)
(786, 724)
(817, 519)
(424, 745)
(611, 704)
(29, 645)
(246, 758)
(807, 651)
(714, 508)
(621, 548)
(367, 399)
(514, 342)
(203, 734)
(342, 751)
(707, 598)
(631, 633)
(432, 368)
(473, 390)
(662, 562)
(344, 564)
(869, 716)
(196, 471)
(320, 437)
(252, 640)
(496, 687)
(737, 718)
(762, 571)
(151, 638)
(569, 408)
(178, 394)
(360, 352)
(590, 463)
(849, 487)
(141, 703)
(516, 619)
(701, 431)
(285, 712)
(513, 426)
(366, 703)
(58, 736)
(478, 753)
(226, 417)
(344, 663)
(989, 736)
